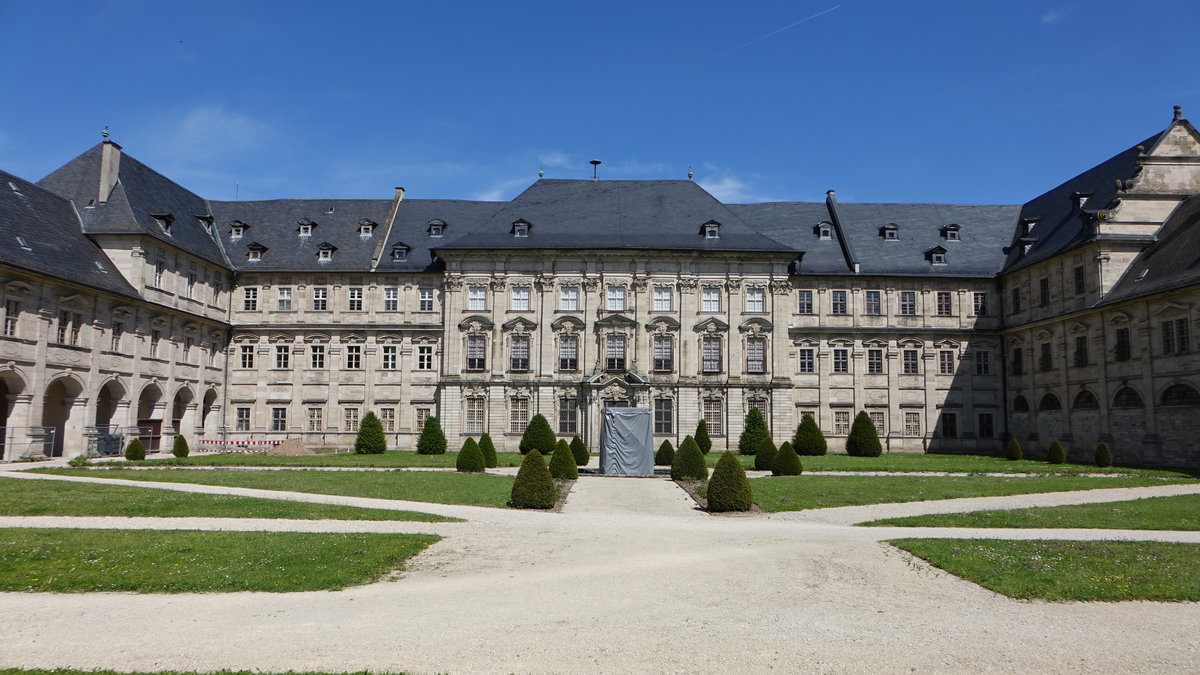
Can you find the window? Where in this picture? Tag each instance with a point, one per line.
(424, 357)
(391, 299)
(841, 360)
(160, 269)
(1080, 284)
(1045, 362)
(710, 355)
(476, 298)
(425, 300)
(910, 361)
(353, 357)
(949, 425)
(305, 229)
(986, 426)
(1123, 349)
(350, 419)
(664, 300)
(825, 232)
(664, 416)
(118, 329)
(616, 299)
(877, 419)
(710, 299)
(283, 357)
(875, 361)
(664, 354)
(983, 362)
(1081, 350)
(1018, 365)
(841, 422)
(756, 355)
(389, 360)
(614, 353)
(945, 306)
(387, 418)
(1174, 336)
(981, 307)
(945, 363)
(519, 349)
(278, 419)
(520, 298)
(891, 233)
(242, 420)
(316, 419)
(355, 299)
(64, 328)
(324, 255)
(805, 305)
(756, 300)
(155, 338)
(423, 414)
(474, 418)
(518, 414)
(568, 353)
(236, 232)
(1044, 292)
(191, 285)
(250, 299)
(714, 416)
(1016, 299)
(247, 356)
(937, 258)
(568, 298)
(12, 313)
(806, 361)
(952, 235)
(874, 306)
(476, 352)
(254, 254)
(912, 424)
(838, 302)
(319, 299)
(316, 356)
(908, 303)
(568, 415)
(520, 229)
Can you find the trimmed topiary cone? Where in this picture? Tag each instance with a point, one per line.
(534, 487)
(562, 462)
(864, 439)
(787, 462)
(702, 440)
(665, 454)
(470, 458)
(135, 451)
(371, 439)
(1103, 455)
(756, 430)
(808, 439)
(488, 450)
(1012, 451)
(432, 441)
(764, 459)
(728, 490)
(537, 436)
(180, 447)
(688, 463)
(1056, 454)
(580, 451)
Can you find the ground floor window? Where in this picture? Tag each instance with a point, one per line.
(278, 419)
(316, 419)
(474, 416)
(568, 415)
(986, 429)
(912, 424)
(877, 418)
(664, 416)
(242, 420)
(518, 414)
(841, 423)
(949, 425)
(714, 416)
(387, 417)
(351, 418)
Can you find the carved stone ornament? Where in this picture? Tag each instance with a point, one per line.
(498, 284)
(590, 285)
(453, 283)
(779, 287)
(687, 285)
(733, 284)
(639, 284)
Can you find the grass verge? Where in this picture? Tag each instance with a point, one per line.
(796, 493)
(393, 459)
(1068, 570)
(1154, 513)
(23, 497)
(189, 561)
(913, 462)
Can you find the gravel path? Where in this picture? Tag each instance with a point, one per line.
(628, 578)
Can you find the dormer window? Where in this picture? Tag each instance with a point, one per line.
(436, 228)
(711, 230)
(400, 252)
(890, 232)
(329, 210)
(1027, 225)
(1080, 198)
(936, 255)
(164, 220)
(237, 229)
(305, 227)
(207, 223)
(255, 252)
(951, 232)
(325, 252)
(825, 231)
(520, 228)
(366, 229)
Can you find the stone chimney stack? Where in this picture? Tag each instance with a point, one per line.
(110, 168)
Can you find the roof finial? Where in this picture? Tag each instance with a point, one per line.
(690, 174)
(1178, 112)
(540, 171)
(104, 131)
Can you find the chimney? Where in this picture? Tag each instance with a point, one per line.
(110, 168)
(399, 194)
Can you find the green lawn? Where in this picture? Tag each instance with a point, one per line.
(393, 459)
(421, 486)
(911, 462)
(189, 561)
(1068, 570)
(22, 497)
(1155, 513)
(796, 493)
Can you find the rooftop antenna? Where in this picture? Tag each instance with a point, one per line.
(237, 191)
(595, 163)
(104, 132)
(690, 174)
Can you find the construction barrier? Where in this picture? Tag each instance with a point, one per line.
(247, 447)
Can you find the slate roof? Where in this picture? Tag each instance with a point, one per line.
(140, 191)
(57, 246)
(1171, 262)
(793, 225)
(460, 219)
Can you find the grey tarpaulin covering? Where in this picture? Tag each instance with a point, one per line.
(625, 443)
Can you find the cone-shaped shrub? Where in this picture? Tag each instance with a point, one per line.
(764, 459)
(728, 490)
(580, 451)
(787, 462)
(1056, 454)
(432, 441)
(864, 439)
(688, 463)
(470, 458)
(1012, 451)
(808, 439)
(537, 436)
(488, 450)
(1103, 455)
(534, 487)
(702, 440)
(665, 455)
(180, 447)
(370, 439)
(754, 433)
(562, 462)
(135, 451)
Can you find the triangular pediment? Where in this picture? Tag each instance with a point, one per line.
(616, 320)
(519, 324)
(711, 324)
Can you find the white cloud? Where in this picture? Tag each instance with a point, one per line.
(727, 187)
(556, 158)
(210, 132)
(502, 191)
(1055, 15)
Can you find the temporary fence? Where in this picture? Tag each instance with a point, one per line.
(248, 447)
(26, 442)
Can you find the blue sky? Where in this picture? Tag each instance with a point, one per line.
(884, 101)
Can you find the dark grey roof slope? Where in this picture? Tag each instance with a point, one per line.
(794, 224)
(139, 193)
(458, 219)
(56, 245)
(1170, 263)
(616, 214)
(275, 224)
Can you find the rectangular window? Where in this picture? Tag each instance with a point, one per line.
(710, 299)
(250, 299)
(160, 269)
(874, 305)
(1044, 292)
(519, 360)
(568, 415)
(568, 298)
(350, 417)
(477, 298)
(247, 356)
(1018, 361)
(981, 307)
(664, 416)
(841, 423)
(316, 356)
(518, 414)
(1016, 299)
(118, 329)
(320, 299)
(983, 362)
(283, 302)
(616, 299)
(878, 418)
(912, 424)
(714, 416)
(568, 353)
(391, 299)
(1045, 362)
(664, 354)
(316, 419)
(422, 415)
(278, 419)
(241, 421)
(283, 357)
(155, 338)
(191, 285)
(389, 360)
(1080, 285)
(614, 353)
(1123, 348)
(476, 352)
(353, 357)
(520, 298)
(837, 301)
(805, 305)
(1081, 350)
(945, 305)
(710, 355)
(12, 312)
(911, 362)
(949, 425)
(425, 300)
(908, 303)
(474, 419)
(1175, 338)
(945, 363)
(806, 361)
(64, 324)
(664, 299)
(424, 357)
(756, 355)
(387, 418)
(355, 299)
(841, 360)
(76, 324)
(986, 426)
(875, 361)
(756, 300)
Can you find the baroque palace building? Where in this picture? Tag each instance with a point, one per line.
(133, 307)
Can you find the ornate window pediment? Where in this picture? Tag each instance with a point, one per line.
(616, 321)
(756, 325)
(519, 324)
(567, 324)
(475, 323)
(662, 324)
(1172, 308)
(711, 325)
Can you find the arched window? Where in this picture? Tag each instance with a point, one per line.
(1086, 400)
(1180, 394)
(1127, 398)
(1049, 402)
(1020, 404)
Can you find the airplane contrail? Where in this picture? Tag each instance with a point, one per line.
(764, 37)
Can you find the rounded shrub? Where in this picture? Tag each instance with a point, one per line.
(808, 439)
(1012, 451)
(787, 462)
(754, 433)
(488, 450)
(534, 487)
(1056, 454)
(135, 451)
(562, 462)
(371, 439)
(1103, 455)
(688, 464)
(665, 454)
(864, 439)
(537, 436)
(764, 459)
(728, 490)
(432, 441)
(470, 458)
(580, 451)
(180, 447)
(701, 438)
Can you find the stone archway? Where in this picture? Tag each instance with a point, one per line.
(62, 411)
(209, 415)
(14, 415)
(150, 411)
(184, 411)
